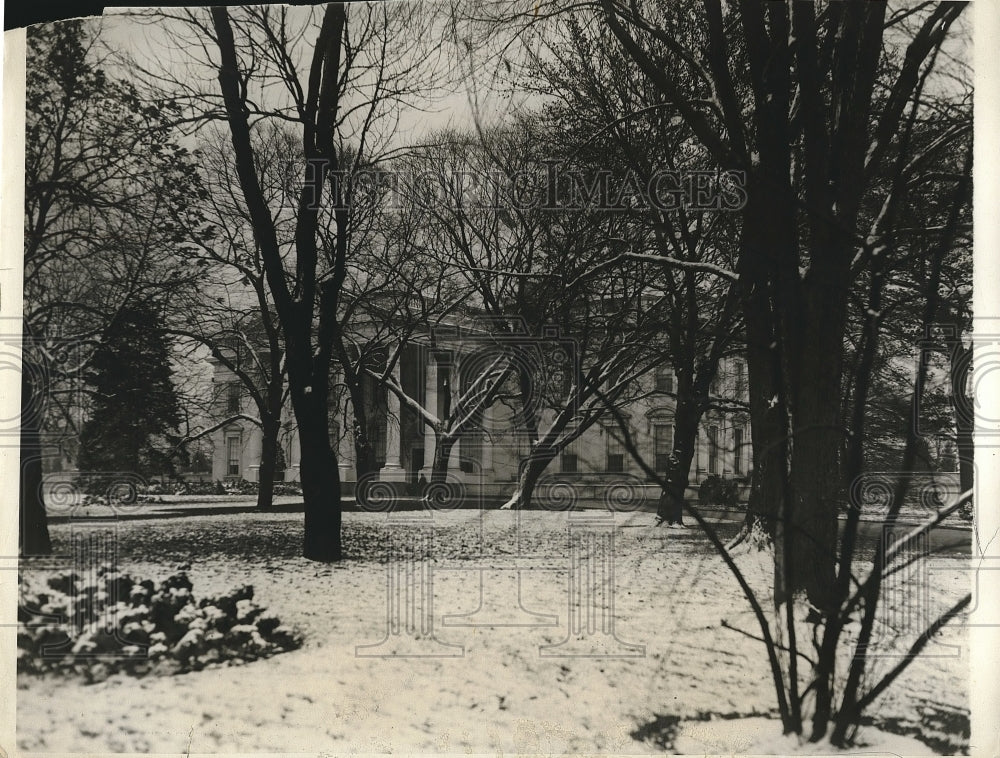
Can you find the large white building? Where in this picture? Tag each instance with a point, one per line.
(487, 458)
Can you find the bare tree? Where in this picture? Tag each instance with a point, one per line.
(814, 105)
(539, 275)
(340, 76)
(819, 137)
(611, 120)
(231, 312)
(99, 158)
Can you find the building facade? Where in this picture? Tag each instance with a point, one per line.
(488, 457)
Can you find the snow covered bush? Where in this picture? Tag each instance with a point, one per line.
(241, 487)
(114, 622)
(718, 491)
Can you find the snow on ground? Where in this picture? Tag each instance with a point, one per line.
(489, 685)
(757, 736)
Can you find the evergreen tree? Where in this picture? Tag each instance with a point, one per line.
(135, 406)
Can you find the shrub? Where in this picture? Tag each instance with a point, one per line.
(241, 487)
(119, 502)
(718, 491)
(197, 488)
(117, 623)
(214, 488)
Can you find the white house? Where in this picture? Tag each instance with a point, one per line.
(488, 457)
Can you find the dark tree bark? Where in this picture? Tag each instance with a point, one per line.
(308, 313)
(365, 462)
(768, 411)
(443, 445)
(528, 415)
(531, 471)
(365, 459)
(670, 509)
(365, 454)
(34, 528)
(270, 430)
(320, 481)
(959, 367)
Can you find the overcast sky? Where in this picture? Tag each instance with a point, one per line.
(469, 93)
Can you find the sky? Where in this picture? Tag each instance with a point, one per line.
(466, 82)
(459, 98)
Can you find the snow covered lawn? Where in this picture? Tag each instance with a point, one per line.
(488, 683)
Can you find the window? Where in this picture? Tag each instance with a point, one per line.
(741, 386)
(663, 443)
(713, 450)
(233, 456)
(233, 397)
(738, 450)
(664, 379)
(616, 453)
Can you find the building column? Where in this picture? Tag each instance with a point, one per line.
(294, 458)
(345, 450)
(393, 470)
(431, 403)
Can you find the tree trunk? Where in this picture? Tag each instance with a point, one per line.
(529, 413)
(671, 505)
(817, 441)
(768, 416)
(443, 444)
(308, 364)
(758, 525)
(268, 463)
(308, 381)
(816, 488)
(365, 462)
(531, 470)
(816, 430)
(959, 366)
(320, 489)
(34, 528)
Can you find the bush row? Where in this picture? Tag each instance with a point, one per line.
(98, 490)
